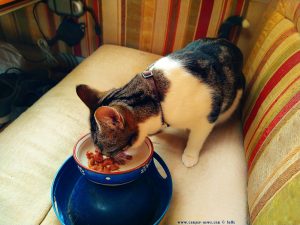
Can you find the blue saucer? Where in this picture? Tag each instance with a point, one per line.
(78, 201)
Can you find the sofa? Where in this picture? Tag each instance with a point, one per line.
(249, 167)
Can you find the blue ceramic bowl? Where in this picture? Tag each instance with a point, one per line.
(77, 201)
(132, 170)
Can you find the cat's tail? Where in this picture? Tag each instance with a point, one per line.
(229, 23)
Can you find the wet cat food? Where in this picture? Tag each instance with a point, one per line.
(100, 163)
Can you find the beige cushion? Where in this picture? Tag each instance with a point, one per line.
(36, 144)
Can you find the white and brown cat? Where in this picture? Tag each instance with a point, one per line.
(194, 88)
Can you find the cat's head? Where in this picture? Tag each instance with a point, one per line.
(113, 127)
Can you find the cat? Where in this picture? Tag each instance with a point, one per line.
(194, 88)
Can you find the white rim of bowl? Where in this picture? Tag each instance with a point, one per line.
(85, 137)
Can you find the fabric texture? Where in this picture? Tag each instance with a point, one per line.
(37, 143)
(158, 26)
(272, 119)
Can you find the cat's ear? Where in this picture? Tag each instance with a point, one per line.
(89, 96)
(109, 116)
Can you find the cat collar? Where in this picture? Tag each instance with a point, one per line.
(148, 75)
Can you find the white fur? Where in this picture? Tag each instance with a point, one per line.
(150, 126)
(187, 105)
(187, 97)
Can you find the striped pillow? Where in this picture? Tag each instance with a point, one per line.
(272, 119)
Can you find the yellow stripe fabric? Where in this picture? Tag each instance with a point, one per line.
(160, 26)
(273, 62)
(283, 147)
(111, 22)
(147, 24)
(282, 53)
(190, 29)
(133, 23)
(292, 157)
(272, 143)
(215, 19)
(284, 208)
(290, 8)
(255, 131)
(256, 54)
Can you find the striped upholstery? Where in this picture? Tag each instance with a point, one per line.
(158, 26)
(272, 119)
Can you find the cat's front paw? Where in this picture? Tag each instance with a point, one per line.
(189, 161)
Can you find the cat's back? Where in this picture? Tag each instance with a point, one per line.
(213, 60)
(215, 49)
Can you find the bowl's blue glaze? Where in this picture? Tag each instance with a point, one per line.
(78, 201)
(113, 178)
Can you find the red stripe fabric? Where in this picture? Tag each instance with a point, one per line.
(271, 106)
(87, 38)
(96, 10)
(278, 75)
(272, 125)
(174, 10)
(239, 7)
(204, 18)
(123, 21)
